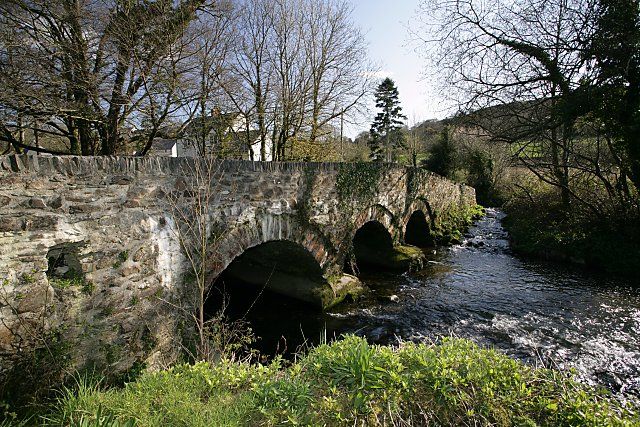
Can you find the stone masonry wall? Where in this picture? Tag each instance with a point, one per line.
(110, 220)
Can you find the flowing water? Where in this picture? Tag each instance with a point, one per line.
(540, 313)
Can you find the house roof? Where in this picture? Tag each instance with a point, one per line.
(163, 144)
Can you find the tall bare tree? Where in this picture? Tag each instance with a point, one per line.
(334, 49)
(194, 226)
(87, 76)
(298, 66)
(249, 76)
(88, 64)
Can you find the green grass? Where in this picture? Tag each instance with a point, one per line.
(350, 383)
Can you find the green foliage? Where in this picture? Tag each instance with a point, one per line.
(480, 169)
(540, 226)
(87, 287)
(69, 413)
(614, 49)
(101, 419)
(27, 279)
(358, 182)
(452, 223)
(350, 382)
(443, 155)
(121, 259)
(9, 418)
(36, 372)
(186, 395)
(303, 204)
(357, 373)
(72, 279)
(67, 282)
(130, 375)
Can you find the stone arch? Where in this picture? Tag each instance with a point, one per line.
(279, 266)
(417, 231)
(267, 228)
(278, 247)
(373, 237)
(372, 247)
(379, 214)
(421, 204)
(419, 222)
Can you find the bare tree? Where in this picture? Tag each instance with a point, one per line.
(213, 41)
(199, 232)
(249, 76)
(297, 65)
(169, 92)
(88, 62)
(339, 72)
(414, 139)
(88, 76)
(520, 68)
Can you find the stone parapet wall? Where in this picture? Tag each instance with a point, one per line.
(78, 165)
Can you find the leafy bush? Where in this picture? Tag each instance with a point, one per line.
(453, 222)
(31, 379)
(540, 226)
(443, 155)
(350, 382)
(480, 175)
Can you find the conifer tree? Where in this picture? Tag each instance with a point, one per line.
(386, 129)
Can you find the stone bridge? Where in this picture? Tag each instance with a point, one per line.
(91, 247)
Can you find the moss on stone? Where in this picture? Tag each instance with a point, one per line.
(340, 287)
(452, 223)
(406, 257)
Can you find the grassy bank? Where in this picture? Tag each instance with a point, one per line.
(350, 383)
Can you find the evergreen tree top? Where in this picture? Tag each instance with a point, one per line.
(386, 128)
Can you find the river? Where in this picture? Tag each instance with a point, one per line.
(541, 313)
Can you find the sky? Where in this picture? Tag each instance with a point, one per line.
(385, 24)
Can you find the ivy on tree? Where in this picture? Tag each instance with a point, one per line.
(443, 155)
(614, 51)
(386, 129)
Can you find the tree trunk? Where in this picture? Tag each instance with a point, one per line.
(110, 131)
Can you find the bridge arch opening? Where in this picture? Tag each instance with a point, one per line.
(273, 286)
(280, 266)
(418, 231)
(372, 247)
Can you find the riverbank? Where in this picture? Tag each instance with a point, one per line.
(608, 244)
(349, 382)
(480, 290)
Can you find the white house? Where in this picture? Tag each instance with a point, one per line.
(227, 138)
